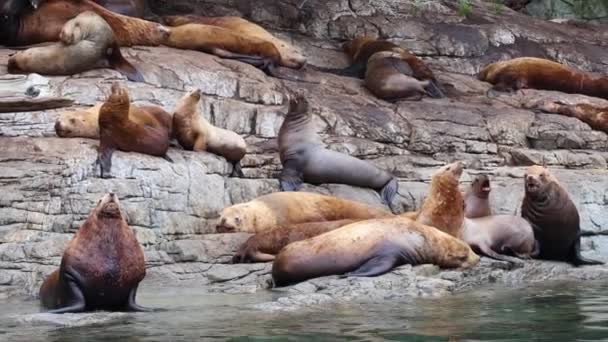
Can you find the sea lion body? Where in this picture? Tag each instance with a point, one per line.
(305, 160)
(538, 73)
(85, 42)
(369, 248)
(389, 77)
(477, 198)
(131, 8)
(263, 247)
(496, 236)
(595, 117)
(553, 216)
(195, 133)
(117, 131)
(286, 208)
(290, 56)
(444, 206)
(101, 266)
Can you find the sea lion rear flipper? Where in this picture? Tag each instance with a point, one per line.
(237, 171)
(375, 266)
(118, 62)
(167, 158)
(389, 191)
(289, 74)
(356, 70)
(77, 301)
(577, 259)
(433, 90)
(290, 179)
(487, 251)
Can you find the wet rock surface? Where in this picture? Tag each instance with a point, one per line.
(48, 185)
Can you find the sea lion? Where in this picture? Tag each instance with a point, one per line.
(87, 42)
(117, 131)
(497, 235)
(388, 77)
(263, 247)
(44, 24)
(595, 117)
(476, 198)
(369, 248)
(290, 56)
(84, 123)
(554, 217)
(131, 8)
(286, 208)
(195, 133)
(444, 206)
(101, 266)
(539, 73)
(304, 159)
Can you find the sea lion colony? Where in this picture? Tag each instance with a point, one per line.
(306, 235)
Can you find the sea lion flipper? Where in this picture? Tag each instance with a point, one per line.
(433, 90)
(104, 159)
(290, 178)
(389, 191)
(488, 251)
(117, 61)
(77, 301)
(167, 158)
(376, 266)
(578, 259)
(237, 171)
(134, 307)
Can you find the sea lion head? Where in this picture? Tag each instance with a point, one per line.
(87, 25)
(537, 181)
(79, 123)
(109, 207)
(236, 219)
(450, 172)
(187, 104)
(352, 47)
(481, 186)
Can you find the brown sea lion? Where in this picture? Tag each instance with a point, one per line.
(44, 23)
(554, 218)
(369, 248)
(290, 56)
(195, 133)
(498, 236)
(84, 123)
(131, 8)
(595, 117)
(101, 266)
(87, 42)
(286, 208)
(362, 48)
(304, 159)
(477, 198)
(263, 247)
(538, 73)
(443, 208)
(117, 131)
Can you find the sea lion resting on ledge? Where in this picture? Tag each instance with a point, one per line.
(476, 198)
(195, 133)
(101, 266)
(286, 208)
(25, 26)
(305, 160)
(117, 131)
(538, 73)
(548, 207)
(369, 248)
(595, 117)
(86, 42)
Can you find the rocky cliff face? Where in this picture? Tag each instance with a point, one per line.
(48, 185)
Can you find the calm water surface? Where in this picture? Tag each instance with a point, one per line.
(555, 312)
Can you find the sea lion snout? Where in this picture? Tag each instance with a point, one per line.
(110, 206)
(60, 130)
(224, 226)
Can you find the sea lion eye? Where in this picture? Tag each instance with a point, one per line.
(72, 121)
(237, 220)
(449, 167)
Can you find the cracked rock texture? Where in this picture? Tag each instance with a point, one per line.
(48, 185)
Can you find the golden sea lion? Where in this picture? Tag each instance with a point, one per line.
(594, 116)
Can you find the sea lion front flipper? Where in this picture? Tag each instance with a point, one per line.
(237, 171)
(433, 90)
(389, 191)
(356, 70)
(489, 252)
(167, 158)
(375, 266)
(117, 61)
(77, 303)
(577, 259)
(134, 307)
(290, 178)
(104, 159)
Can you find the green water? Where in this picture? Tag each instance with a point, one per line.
(556, 312)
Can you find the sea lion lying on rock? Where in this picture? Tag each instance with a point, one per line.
(369, 248)
(287, 208)
(595, 117)
(86, 42)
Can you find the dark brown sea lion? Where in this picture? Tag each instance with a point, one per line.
(554, 218)
(45, 22)
(369, 248)
(287, 208)
(538, 73)
(595, 117)
(304, 159)
(101, 266)
(117, 131)
(87, 42)
(477, 198)
(389, 77)
(263, 247)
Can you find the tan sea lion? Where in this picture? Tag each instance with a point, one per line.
(595, 117)
(117, 131)
(443, 208)
(538, 73)
(476, 198)
(44, 22)
(554, 218)
(263, 247)
(286, 208)
(87, 42)
(369, 248)
(101, 266)
(389, 77)
(195, 133)
(304, 159)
